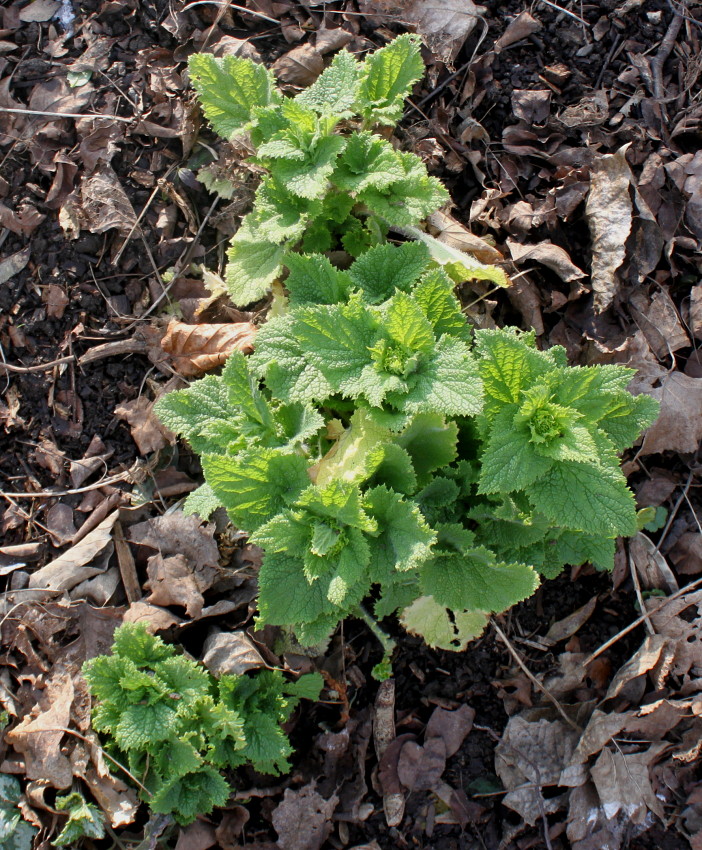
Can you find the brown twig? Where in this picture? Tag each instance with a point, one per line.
(532, 678)
(663, 53)
(61, 114)
(23, 370)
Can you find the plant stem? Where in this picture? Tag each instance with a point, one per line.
(386, 641)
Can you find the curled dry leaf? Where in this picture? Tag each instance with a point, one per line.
(521, 27)
(147, 431)
(231, 652)
(12, 265)
(105, 205)
(679, 424)
(172, 582)
(300, 66)
(651, 566)
(303, 820)
(568, 626)
(550, 255)
(609, 215)
(456, 235)
(195, 349)
(38, 736)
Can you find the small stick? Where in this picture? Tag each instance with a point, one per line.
(62, 114)
(637, 622)
(23, 370)
(50, 494)
(639, 595)
(231, 6)
(566, 12)
(532, 678)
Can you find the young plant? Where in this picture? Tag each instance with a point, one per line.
(376, 448)
(331, 181)
(84, 820)
(15, 832)
(177, 728)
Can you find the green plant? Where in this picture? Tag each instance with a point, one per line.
(375, 446)
(84, 820)
(15, 832)
(176, 727)
(331, 182)
(390, 452)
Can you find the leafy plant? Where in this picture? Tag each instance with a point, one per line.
(331, 182)
(391, 453)
(15, 832)
(84, 820)
(176, 727)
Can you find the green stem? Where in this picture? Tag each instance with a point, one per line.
(386, 641)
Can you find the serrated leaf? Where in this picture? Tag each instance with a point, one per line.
(587, 498)
(286, 597)
(229, 89)
(307, 177)
(188, 796)
(385, 268)
(431, 621)
(392, 466)
(407, 325)
(314, 280)
(367, 161)
(388, 77)
(256, 485)
(143, 724)
(334, 91)
(434, 294)
(408, 201)
(252, 267)
(476, 580)
(350, 459)
(458, 264)
(430, 442)
(404, 540)
(510, 462)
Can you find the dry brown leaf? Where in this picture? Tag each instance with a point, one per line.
(105, 204)
(686, 554)
(521, 27)
(196, 836)
(303, 820)
(172, 582)
(195, 349)
(115, 798)
(12, 265)
(231, 652)
(38, 736)
(59, 521)
(300, 66)
(56, 301)
(550, 255)
(533, 106)
(679, 424)
(39, 11)
(568, 626)
(147, 431)
(23, 222)
(623, 783)
(609, 215)
(178, 534)
(658, 319)
(451, 726)
(685, 635)
(533, 753)
(420, 768)
(651, 566)
(154, 619)
(456, 235)
(629, 679)
(444, 24)
(72, 567)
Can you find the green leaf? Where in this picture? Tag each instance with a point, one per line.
(252, 267)
(430, 442)
(508, 363)
(314, 280)
(476, 580)
(307, 177)
(407, 324)
(202, 502)
(278, 215)
(133, 642)
(392, 466)
(84, 820)
(280, 357)
(388, 77)
(385, 268)
(585, 497)
(267, 748)
(627, 417)
(256, 485)
(186, 797)
(434, 294)
(432, 622)
(510, 462)
(141, 725)
(403, 540)
(286, 597)
(408, 201)
(367, 161)
(446, 383)
(350, 459)
(229, 89)
(334, 91)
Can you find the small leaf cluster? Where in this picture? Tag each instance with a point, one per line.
(330, 182)
(15, 832)
(84, 820)
(177, 728)
(375, 446)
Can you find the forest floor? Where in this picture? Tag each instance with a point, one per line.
(569, 139)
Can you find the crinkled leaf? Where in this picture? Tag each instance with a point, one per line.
(334, 91)
(404, 540)
(367, 161)
(252, 267)
(314, 280)
(388, 77)
(432, 622)
(385, 268)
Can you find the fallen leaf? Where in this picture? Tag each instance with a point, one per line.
(659, 320)
(532, 753)
(679, 424)
(172, 582)
(231, 652)
(420, 768)
(303, 820)
(568, 626)
(609, 216)
(178, 534)
(59, 521)
(623, 783)
(651, 567)
(116, 799)
(71, 568)
(147, 431)
(12, 265)
(521, 27)
(686, 554)
(550, 255)
(56, 301)
(38, 736)
(154, 619)
(456, 235)
(39, 11)
(451, 726)
(196, 836)
(195, 349)
(23, 222)
(105, 204)
(300, 66)
(533, 106)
